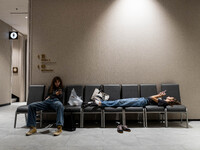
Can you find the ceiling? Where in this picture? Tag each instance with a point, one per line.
(13, 12)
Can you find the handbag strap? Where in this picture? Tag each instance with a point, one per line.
(101, 88)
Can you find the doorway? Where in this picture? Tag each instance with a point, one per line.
(18, 66)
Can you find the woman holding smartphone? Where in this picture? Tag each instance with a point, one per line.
(53, 101)
(140, 102)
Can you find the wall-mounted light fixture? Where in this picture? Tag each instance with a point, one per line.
(15, 69)
(13, 35)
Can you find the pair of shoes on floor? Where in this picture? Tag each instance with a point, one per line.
(121, 128)
(34, 130)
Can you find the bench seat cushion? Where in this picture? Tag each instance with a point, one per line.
(69, 108)
(113, 109)
(92, 109)
(22, 109)
(155, 108)
(176, 108)
(133, 109)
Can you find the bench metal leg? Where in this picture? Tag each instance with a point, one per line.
(166, 119)
(143, 114)
(138, 117)
(181, 118)
(117, 116)
(162, 114)
(81, 118)
(41, 118)
(159, 116)
(15, 119)
(146, 118)
(123, 116)
(186, 118)
(103, 118)
(26, 117)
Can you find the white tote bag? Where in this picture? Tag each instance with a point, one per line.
(98, 95)
(74, 99)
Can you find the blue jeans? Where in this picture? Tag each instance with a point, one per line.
(48, 104)
(128, 102)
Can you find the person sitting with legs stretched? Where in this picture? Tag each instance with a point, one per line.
(53, 101)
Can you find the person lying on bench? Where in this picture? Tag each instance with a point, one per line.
(140, 102)
(53, 101)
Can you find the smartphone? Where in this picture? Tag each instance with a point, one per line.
(60, 91)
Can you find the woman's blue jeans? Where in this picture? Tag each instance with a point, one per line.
(128, 102)
(48, 104)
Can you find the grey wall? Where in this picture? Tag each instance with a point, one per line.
(5, 64)
(119, 41)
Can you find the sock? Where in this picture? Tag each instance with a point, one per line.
(98, 102)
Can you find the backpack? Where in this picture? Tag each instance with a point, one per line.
(69, 123)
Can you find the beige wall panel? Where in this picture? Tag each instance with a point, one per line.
(5, 64)
(122, 41)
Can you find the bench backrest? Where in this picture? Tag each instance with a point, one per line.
(171, 90)
(129, 91)
(79, 91)
(36, 93)
(89, 89)
(113, 90)
(147, 90)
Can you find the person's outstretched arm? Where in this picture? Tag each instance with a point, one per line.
(155, 97)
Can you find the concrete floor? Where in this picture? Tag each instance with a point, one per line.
(157, 137)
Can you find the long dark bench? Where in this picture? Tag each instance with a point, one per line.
(117, 91)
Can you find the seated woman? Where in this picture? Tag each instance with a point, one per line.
(53, 101)
(140, 102)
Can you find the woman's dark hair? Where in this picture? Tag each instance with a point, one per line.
(53, 87)
(174, 102)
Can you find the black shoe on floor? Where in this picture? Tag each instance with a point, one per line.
(125, 128)
(119, 129)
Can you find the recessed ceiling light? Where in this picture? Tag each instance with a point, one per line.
(26, 17)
